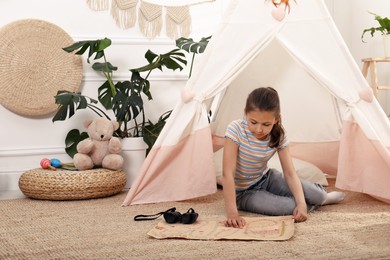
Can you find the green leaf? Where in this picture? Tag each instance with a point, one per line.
(68, 102)
(76, 46)
(104, 67)
(150, 56)
(82, 50)
(152, 131)
(83, 103)
(153, 60)
(141, 84)
(146, 89)
(72, 139)
(98, 55)
(105, 95)
(190, 46)
(124, 87)
(92, 49)
(103, 44)
(61, 114)
(172, 60)
(95, 47)
(127, 107)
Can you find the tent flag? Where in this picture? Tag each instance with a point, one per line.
(326, 107)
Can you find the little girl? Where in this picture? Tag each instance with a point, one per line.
(248, 183)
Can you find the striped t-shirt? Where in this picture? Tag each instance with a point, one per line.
(253, 154)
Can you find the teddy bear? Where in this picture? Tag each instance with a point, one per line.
(100, 149)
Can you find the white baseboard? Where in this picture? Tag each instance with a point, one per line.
(13, 194)
(9, 181)
(14, 162)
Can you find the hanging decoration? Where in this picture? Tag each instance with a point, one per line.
(98, 5)
(178, 21)
(150, 15)
(150, 19)
(124, 13)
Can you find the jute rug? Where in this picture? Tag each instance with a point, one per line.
(358, 228)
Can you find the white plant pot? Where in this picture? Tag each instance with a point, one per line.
(386, 45)
(133, 152)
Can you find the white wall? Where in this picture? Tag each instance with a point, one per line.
(352, 17)
(24, 141)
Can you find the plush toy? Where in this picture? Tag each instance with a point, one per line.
(101, 149)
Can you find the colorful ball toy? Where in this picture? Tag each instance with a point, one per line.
(46, 164)
(53, 164)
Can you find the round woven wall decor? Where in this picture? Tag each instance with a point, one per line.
(33, 66)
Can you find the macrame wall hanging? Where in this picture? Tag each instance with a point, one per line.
(150, 15)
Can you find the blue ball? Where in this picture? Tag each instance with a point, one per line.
(55, 163)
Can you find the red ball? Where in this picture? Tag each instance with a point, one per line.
(45, 163)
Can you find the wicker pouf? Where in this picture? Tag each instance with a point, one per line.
(71, 185)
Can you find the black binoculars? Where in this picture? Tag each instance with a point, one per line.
(172, 216)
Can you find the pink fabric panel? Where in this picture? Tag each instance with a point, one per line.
(324, 155)
(175, 173)
(364, 165)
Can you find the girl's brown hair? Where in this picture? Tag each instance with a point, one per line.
(267, 99)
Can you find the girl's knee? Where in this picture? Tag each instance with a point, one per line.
(316, 198)
(315, 194)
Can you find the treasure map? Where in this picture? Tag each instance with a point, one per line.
(212, 228)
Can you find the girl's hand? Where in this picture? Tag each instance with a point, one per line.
(300, 213)
(235, 221)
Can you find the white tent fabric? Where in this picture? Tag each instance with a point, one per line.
(328, 109)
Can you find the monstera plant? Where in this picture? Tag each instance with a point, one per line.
(124, 98)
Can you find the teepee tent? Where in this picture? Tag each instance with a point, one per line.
(328, 110)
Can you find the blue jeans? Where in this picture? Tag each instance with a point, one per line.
(272, 196)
